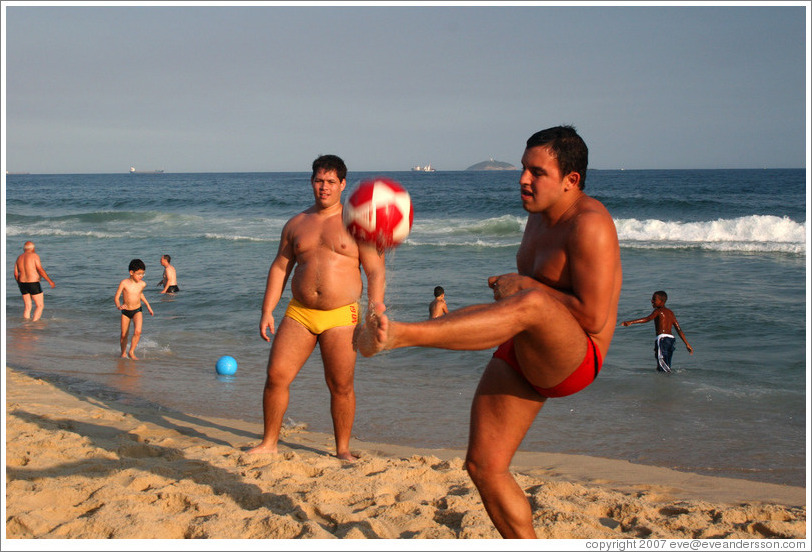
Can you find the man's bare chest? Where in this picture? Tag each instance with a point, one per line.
(543, 257)
(314, 236)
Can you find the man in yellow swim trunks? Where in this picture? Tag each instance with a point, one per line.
(326, 287)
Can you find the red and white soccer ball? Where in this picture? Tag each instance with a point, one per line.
(379, 211)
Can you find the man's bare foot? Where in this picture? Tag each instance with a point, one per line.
(124, 355)
(373, 336)
(348, 456)
(262, 449)
(132, 356)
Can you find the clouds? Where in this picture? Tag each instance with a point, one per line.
(97, 89)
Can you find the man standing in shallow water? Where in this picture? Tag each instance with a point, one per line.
(28, 271)
(169, 282)
(552, 321)
(326, 287)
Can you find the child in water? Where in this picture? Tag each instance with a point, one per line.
(132, 289)
(664, 319)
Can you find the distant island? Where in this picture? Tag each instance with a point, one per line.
(491, 165)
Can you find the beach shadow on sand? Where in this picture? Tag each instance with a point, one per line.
(134, 453)
(112, 399)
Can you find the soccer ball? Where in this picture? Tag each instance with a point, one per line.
(379, 211)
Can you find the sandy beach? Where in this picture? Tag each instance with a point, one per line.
(86, 467)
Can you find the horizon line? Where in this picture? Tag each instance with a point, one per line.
(620, 169)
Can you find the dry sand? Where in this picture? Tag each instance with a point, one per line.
(83, 467)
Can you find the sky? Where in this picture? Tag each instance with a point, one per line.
(221, 87)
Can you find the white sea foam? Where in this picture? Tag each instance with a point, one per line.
(44, 231)
(236, 237)
(755, 233)
(504, 225)
(751, 233)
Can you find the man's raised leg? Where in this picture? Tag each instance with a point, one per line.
(291, 347)
(503, 409)
(549, 342)
(471, 328)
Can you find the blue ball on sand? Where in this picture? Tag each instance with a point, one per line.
(226, 366)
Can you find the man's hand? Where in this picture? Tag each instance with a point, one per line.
(266, 323)
(506, 285)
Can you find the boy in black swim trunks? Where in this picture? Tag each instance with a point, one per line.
(132, 289)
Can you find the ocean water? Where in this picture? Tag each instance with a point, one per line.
(729, 247)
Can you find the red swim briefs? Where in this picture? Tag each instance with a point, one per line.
(578, 380)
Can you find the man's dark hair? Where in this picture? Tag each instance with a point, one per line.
(137, 264)
(330, 163)
(662, 295)
(167, 257)
(438, 291)
(566, 146)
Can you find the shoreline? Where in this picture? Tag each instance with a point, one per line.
(80, 466)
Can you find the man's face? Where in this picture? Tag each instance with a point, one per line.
(327, 188)
(137, 275)
(541, 181)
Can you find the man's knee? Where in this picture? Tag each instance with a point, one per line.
(277, 379)
(481, 470)
(274, 382)
(341, 388)
(472, 468)
(531, 300)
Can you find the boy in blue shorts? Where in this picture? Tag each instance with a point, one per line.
(664, 320)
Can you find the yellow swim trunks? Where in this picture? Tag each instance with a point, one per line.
(318, 321)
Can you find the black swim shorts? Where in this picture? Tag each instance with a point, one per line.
(32, 288)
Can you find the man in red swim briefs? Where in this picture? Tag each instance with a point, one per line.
(553, 319)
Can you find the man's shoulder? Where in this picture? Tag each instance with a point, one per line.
(294, 222)
(592, 222)
(299, 218)
(592, 207)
